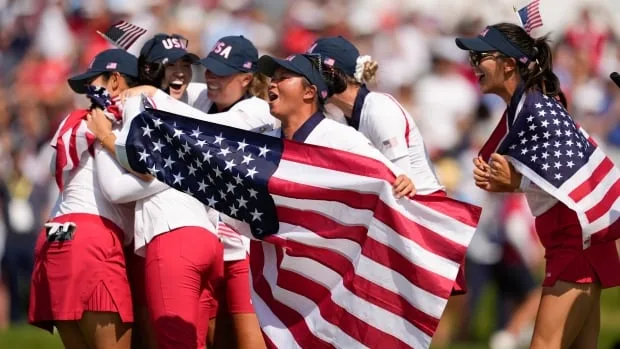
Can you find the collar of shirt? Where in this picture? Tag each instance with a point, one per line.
(304, 131)
(514, 100)
(213, 108)
(354, 120)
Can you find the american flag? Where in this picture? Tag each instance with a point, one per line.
(73, 139)
(530, 16)
(548, 147)
(340, 262)
(123, 34)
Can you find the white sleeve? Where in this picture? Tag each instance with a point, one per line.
(387, 129)
(119, 186)
(236, 117)
(361, 146)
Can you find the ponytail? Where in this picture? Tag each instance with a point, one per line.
(369, 71)
(337, 81)
(150, 73)
(538, 74)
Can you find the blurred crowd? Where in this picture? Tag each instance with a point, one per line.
(42, 42)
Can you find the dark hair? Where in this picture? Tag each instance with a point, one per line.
(537, 74)
(131, 81)
(150, 73)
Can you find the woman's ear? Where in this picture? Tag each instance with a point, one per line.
(114, 84)
(510, 65)
(246, 80)
(310, 92)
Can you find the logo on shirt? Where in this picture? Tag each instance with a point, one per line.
(389, 143)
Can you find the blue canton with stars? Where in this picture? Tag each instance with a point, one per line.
(225, 168)
(545, 138)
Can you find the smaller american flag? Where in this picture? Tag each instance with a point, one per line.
(123, 34)
(530, 16)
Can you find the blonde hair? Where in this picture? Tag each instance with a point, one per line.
(369, 72)
(259, 85)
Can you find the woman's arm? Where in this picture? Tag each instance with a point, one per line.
(119, 186)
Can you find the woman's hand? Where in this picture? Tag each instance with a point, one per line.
(496, 176)
(147, 90)
(403, 186)
(99, 124)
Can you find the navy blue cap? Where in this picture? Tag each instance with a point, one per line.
(337, 52)
(301, 64)
(491, 39)
(112, 60)
(166, 48)
(231, 55)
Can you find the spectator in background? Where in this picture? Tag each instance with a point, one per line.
(445, 101)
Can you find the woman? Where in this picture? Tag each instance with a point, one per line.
(233, 84)
(165, 63)
(175, 233)
(79, 283)
(378, 116)
(518, 68)
(297, 95)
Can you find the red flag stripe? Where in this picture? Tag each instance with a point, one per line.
(491, 145)
(335, 160)
(362, 287)
(603, 206)
(399, 223)
(289, 317)
(585, 188)
(381, 253)
(335, 314)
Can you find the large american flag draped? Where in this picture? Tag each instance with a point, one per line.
(340, 262)
(530, 16)
(548, 147)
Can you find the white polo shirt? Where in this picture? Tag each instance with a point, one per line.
(393, 132)
(83, 193)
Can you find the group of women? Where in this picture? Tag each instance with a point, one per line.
(123, 248)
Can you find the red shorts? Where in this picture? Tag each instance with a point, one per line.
(86, 273)
(235, 297)
(566, 260)
(184, 268)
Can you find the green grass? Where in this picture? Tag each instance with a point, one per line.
(27, 337)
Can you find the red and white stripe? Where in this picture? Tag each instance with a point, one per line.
(72, 140)
(351, 266)
(593, 192)
(534, 20)
(131, 34)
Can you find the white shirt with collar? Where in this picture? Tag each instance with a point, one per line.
(391, 130)
(83, 193)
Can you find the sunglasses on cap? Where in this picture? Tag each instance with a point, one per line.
(475, 58)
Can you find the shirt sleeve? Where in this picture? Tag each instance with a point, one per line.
(119, 186)
(388, 127)
(237, 117)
